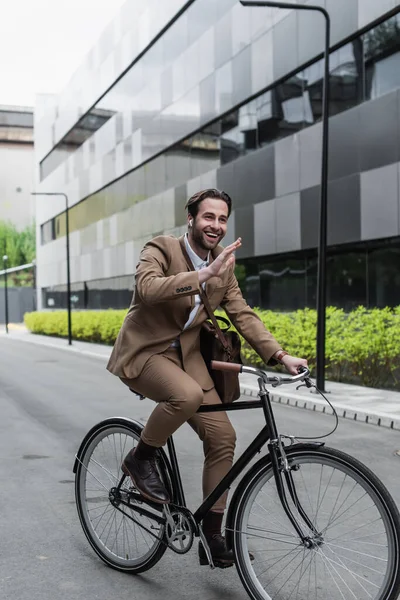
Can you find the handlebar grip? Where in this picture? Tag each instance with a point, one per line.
(219, 365)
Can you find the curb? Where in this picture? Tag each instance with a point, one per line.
(323, 407)
(317, 405)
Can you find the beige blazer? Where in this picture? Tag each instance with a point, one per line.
(162, 301)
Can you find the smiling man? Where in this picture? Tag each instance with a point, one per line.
(157, 352)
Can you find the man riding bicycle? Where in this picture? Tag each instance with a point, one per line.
(157, 351)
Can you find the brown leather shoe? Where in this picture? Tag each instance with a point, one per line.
(145, 477)
(221, 555)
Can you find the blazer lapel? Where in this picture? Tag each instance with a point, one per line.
(183, 249)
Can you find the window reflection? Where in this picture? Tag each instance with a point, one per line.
(346, 77)
(365, 68)
(313, 87)
(381, 48)
(239, 132)
(85, 128)
(356, 276)
(283, 284)
(384, 277)
(346, 280)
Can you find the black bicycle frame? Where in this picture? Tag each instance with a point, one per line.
(268, 433)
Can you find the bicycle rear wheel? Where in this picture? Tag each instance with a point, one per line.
(357, 555)
(121, 542)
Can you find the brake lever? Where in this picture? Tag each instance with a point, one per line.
(307, 381)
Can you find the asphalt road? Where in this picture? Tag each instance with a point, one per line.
(48, 400)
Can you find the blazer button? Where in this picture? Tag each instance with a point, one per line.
(177, 290)
(185, 289)
(189, 287)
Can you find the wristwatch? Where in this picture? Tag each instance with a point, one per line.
(280, 354)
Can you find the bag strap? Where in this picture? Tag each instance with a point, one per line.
(207, 306)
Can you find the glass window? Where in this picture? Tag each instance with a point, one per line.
(205, 151)
(313, 78)
(249, 281)
(282, 111)
(346, 280)
(239, 132)
(346, 77)
(47, 231)
(384, 277)
(283, 284)
(381, 55)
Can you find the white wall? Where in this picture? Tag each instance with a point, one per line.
(16, 171)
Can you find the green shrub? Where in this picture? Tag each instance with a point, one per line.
(90, 326)
(362, 346)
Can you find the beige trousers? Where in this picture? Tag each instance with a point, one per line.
(178, 397)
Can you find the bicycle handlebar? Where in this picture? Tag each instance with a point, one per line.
(274, 380)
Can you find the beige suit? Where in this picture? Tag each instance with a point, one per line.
(163, 299)
(177, 378)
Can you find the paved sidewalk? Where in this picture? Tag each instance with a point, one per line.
(369, 405)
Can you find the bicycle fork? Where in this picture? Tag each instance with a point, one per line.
(282, 469)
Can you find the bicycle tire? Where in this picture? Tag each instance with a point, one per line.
(128, 431)
(346, 576)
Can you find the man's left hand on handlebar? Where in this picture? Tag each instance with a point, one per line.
(292, 363)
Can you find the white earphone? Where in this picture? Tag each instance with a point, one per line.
(190, 222)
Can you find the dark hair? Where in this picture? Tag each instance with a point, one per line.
(194, 201)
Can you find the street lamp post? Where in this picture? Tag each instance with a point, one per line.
(5, 259)
(321, 282)
(68, 256)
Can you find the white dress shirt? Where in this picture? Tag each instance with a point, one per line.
(198, 263)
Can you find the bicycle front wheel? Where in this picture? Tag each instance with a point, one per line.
(354, 551)
(122, 537)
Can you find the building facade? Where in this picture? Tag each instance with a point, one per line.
(179, 96)
(16, 166)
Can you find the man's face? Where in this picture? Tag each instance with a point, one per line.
(210, 224)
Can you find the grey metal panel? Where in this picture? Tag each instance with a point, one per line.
(262, 66)
(344, 18)
(254, 177)
(380, 210)
(344, 144)
(225, 180)
(244, 228)
(310, 140)
(208, 109)
(285, 36)
(265, 228)
(344, 210)
(230, 235)
(223, 40)
(379, 132)
(369, 10)
(309, 216)
(287, 165)
(311, 33)
(180, 201)
(288, 227)
(241, 75)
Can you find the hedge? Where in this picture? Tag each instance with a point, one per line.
(362, 346)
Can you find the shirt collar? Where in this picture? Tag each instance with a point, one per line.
(198, 262)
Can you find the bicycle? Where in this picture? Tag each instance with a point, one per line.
(319, 524)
